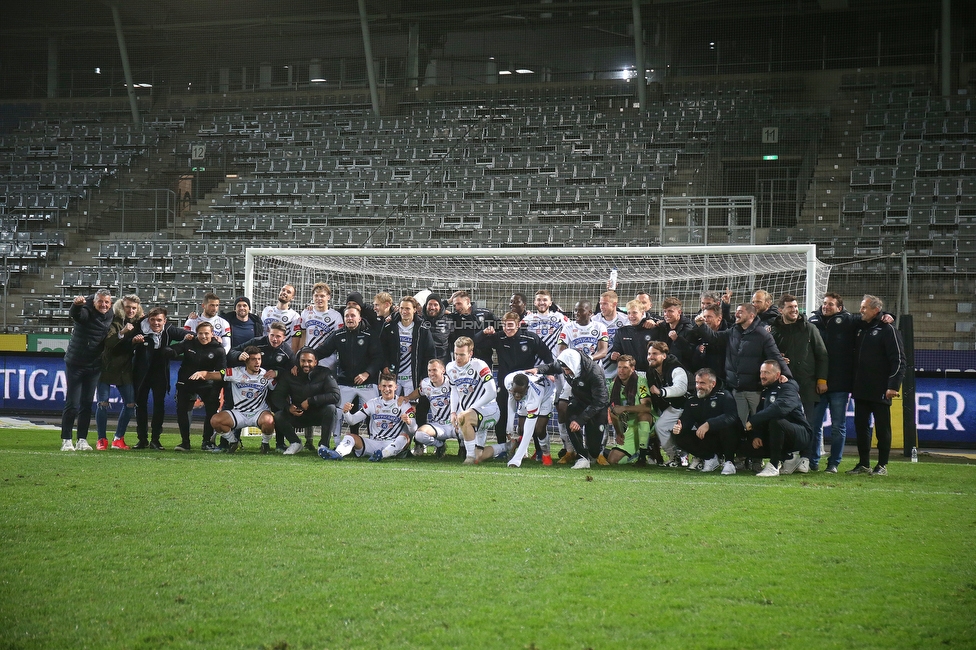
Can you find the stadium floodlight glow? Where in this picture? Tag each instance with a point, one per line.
(317, 80)
(771, 157)
(504, 72)
(524, 71)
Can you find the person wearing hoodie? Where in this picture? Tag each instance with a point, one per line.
(588, 402)
(92, 318)
(150, 372)
(668, 383)
(117, 371)
(439, 325)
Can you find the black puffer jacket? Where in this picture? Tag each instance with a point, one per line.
(88, 336)
(745, 352)
(838, 333)
(589, 387)
(440, 328)
(319, 387)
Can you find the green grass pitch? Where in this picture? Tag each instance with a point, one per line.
(160, 550)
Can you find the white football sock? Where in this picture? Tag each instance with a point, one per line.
(345, 447)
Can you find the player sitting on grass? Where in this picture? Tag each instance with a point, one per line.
(630, 411)
(250, 390)
(390, 426)
(530, 399)
(438, 428)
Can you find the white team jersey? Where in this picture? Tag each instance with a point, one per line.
(612, 324)
(291, 318)
(405, 364)
(250, 391)
(547, 326)
(384, 418)
(440, 400)
(472, 384)
(583, 338)
(538, 398)
(221, 328)
(315, 326)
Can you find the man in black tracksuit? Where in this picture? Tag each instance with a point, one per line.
(709, 425)
(468, 320)
(779, 424)
(150, 372)
(306, 399)
(673, 330)
(203, 352)
(517, 349)
(360, 360)
(587, 410)
(879, 369)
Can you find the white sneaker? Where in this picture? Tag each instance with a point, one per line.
(582, 463)
(728, 468)
(769, 470)
(790, 464)
(66, 445)
(293, 449)
(804, 466)
(712, 464)
(83, 445)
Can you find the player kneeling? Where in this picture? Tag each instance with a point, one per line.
(530, 399)
(250, 390)
(390, 426)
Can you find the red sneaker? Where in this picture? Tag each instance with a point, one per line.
(102, 444)
(119, 443)
(547, 460)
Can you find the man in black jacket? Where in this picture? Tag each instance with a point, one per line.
(203, 352)
(150, 372)
(587, 411)
(748, 344)
(672, 330)
(307, 399)
(517, 349)
(633, 339)
(277, 357)
(469, 320)
(879, 369)
(705, 354)
(779, 425)
(83, 363)
(360, 360)
(709, 424)
(244, 324)
(407, 346)
(439, 324)
(766, 311)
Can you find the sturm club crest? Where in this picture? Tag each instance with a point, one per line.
(838, 320)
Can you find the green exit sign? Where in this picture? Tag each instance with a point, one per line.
(773, 157)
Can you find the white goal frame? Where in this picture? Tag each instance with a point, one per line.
(815, 281)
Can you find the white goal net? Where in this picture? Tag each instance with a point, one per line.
(570, 274)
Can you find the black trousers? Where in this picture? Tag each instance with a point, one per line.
(715, 443)
(787, 437)
(286, 423)
(186, 394)
(863, 410)
(156, 384)
(501, 398)
(588, 441)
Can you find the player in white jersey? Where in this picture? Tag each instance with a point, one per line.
(547, 324)
(208, 314)
(391, 425)
(585, 335)
(530, 402)
(250, 388)
(282, 312)
(473, 407)
(613, 320)
(318, 321)
(438, 428)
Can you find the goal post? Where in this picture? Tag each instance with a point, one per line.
(492, 275)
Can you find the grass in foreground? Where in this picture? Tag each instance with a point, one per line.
(156, 549)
